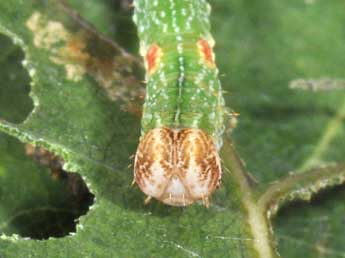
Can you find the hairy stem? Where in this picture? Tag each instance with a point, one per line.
(301, 186)
(256, 217)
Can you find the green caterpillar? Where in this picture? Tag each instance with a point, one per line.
(177, 160)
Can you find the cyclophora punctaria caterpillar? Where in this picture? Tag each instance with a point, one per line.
(177, 160)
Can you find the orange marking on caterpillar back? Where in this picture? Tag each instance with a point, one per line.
(206, 52)
(177, 166)
(153, 57)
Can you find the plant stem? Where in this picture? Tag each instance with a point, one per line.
(301, 186)
(256, 217)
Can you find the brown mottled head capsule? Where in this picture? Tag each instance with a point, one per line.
(177, 166)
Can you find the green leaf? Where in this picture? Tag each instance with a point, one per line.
(262, 46)
(76, 118)
(86, 95)
(315, 229)
(35, 203)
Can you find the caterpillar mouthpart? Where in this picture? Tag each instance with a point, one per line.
(177, 166)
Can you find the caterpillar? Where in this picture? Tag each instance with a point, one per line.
(177, 160)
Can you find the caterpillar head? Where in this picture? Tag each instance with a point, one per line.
(177, 166)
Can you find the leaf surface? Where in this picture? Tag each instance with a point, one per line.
(94, 127)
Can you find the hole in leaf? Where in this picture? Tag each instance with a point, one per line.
(15, 103)
(323, 200)
(38, 198)
(305, 227)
